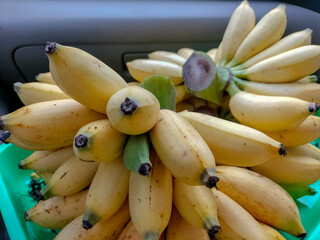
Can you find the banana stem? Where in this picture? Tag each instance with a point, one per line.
(50, 47)
(81, 141)
(233, 89)
(128, 106)
(240, 83)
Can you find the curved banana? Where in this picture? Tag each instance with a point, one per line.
(265, 200)
(272, 234)
(308, 150)
(129, 233)
(57, 212)
(167, 56)
(82, 76)
(185, 52)
(133, 110)
(182, 149)
(197, 206)
(267, 31)
(47, 125)
(98, 141)
(298, 191)
(150, 199)
(181, 93)
(45, 78)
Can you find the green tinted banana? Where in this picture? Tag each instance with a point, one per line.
(182, 149)
(308, 79)
(57, 212)
(82, 76)
(98, 141)
(129, 233)
(185, 52)
(196, 205)
(107, 192)
(45, 78)
(150, 199)
(133, 110)
(262, 198)
(47, 125)
(266, 32)
(272, 234)
(33, 92)
(298, 191)
(167, 56)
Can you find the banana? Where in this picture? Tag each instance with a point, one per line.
(236, 223)
(308, 79)
(197, 206)
(143, 68)
(150, 199)
(266, 32)
(107, 192)
(285, 67)
(47, 160)
(241, 23)
(82, 76)
(57, 212)
(46, 125)
(33, 92)
(294, 40)
(98, 141)
(45, 175)
(185, 52)
(272, 234)
(133, 83)
(181, 93)
(268, 113)
(298, 191)
(180, 229)
(308, 150)
(45, 78)
(133, 110)
(167, 56)
(182, 149)
(70, 178)
(129, 233)
(108, 229)
(265, 200)
(232, 143)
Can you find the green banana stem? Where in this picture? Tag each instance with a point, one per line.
(233, 89)
(240, 82)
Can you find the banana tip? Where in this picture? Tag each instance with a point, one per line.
(4, 136)
(145, 169)
(302, 235)
(212, 231)
(86, 224)
(282, 150)
(20, 166)
(80, 141)
(128, 106)
(26, 216)
(50, 47)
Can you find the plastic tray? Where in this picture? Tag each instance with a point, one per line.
(14, 200)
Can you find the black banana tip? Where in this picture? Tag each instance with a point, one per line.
(212, 231)
(86, 225)
(302, 236)
(50, 47)
(81, 141)
(20, 166)
(128, 106)
(212, 181)
(26, 216)
(145, 169)
(282, 150)
(4, 136)
(313, 107)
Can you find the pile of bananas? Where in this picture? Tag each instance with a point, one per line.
(202, 145)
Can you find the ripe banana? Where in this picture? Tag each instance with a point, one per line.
(143, 68)
(185, 52)
(108, 229)
(182, 150)
(308, 79)
(266, 32)
(285, 67)
(98, 141)
(241, 23)
(129, 233)
(212, 53)
(307, 150)
(181, 93)
(47, 160)
(33, 92)
(133, 110)
(265, 200)
(45, 78)
(46, 125)
(272, 234)
(57, 212)
(294, 40)
(268, 113)
(167, 56)
(70, 178)
(196, 205)
(82, 76)
(150, 199)
(235, 221)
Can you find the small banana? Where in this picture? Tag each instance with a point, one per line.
(182, 149)
(197, 206)
(150, 199)
(98, 141)
(82, 76)
(298, 191)
(181, 93)
(185, 52)
(45, 78)
(266, 32)
(129, 233)
(167, 56)
(46, 125)
(133, 110)
(272, 234)
(107, 192)
(57, 212)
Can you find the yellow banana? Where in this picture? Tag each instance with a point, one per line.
(307, 150)
(232, 143)
(33, 92)
(108, 229)
(181, 92)
(197, 206)
(236, 223)
(107, 192)
(308, 79)
(285, 67)
(70, 178)
(241, 23)
(46, 125)
(150, 199)
(140, 69)
(167, 56)
(98, 141)
(265, 200)
(133, 83)
(45, 78)
(267, 31)
(185, 52)
(182, 149)
(82, 76)
(129, 233)
(272, 234)
(213, 53)
(289, 42)
(133, 110)
(57, 212)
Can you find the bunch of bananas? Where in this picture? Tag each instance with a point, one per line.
(202, 145)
